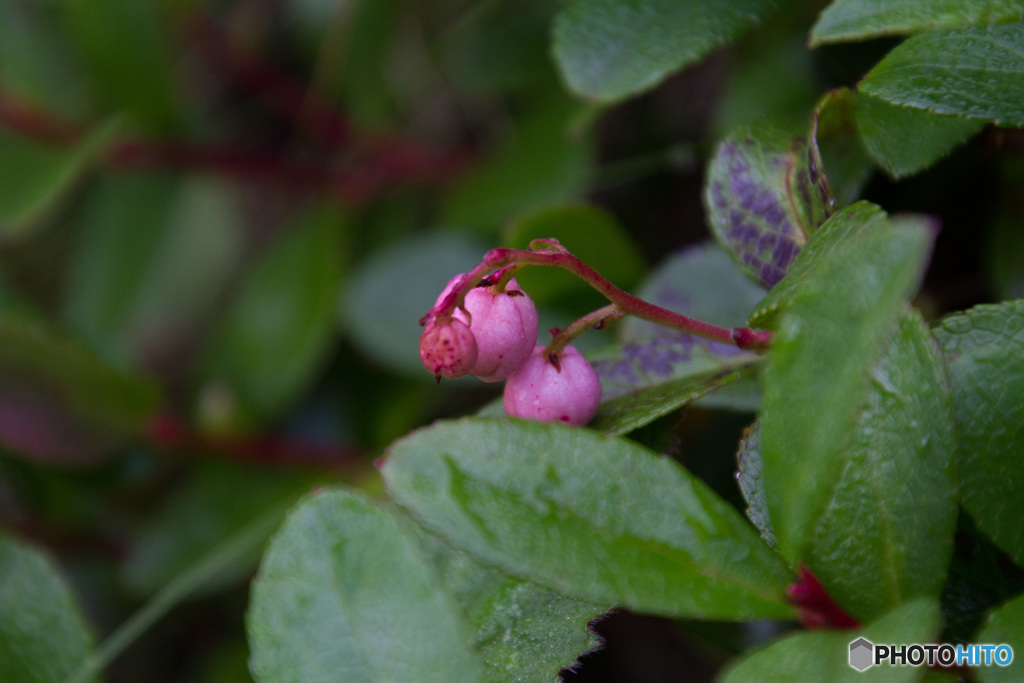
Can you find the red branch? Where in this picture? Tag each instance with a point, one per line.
(169, 432)
(817, 608)
(353, 167)
(269, 84)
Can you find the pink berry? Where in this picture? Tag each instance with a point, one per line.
(539, 391)
(505, 327)
(448, 348)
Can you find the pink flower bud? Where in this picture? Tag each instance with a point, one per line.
(539, 391)
(448, 348)
(505, 327)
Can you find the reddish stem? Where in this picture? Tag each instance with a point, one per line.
(168, 431)
(817, 608)
(553, 255)
(275, 88)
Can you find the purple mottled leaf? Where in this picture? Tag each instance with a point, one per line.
(764, 197)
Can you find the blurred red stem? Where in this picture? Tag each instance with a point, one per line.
(392, 165)
(169, 432)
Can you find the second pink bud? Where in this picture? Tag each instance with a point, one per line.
(505, 327)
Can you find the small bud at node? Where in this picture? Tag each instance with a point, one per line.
(448, 348)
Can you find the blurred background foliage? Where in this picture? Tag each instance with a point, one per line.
(221, 220)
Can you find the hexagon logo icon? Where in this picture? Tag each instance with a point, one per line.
(861, 654)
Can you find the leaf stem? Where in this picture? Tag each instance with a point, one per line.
(553, 255)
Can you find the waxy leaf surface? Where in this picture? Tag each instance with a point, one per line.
(520, 495)
(842, 311)
(611, 49)
(984, 350)
(861, 19)
(43, 636)
(975, 72)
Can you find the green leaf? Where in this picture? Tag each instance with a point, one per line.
(625, 413)
(538, 164)
(155, 254)
(36, 63)
(61, 404)
(861, 19)
(844, 307)
(590, 233)
(281, 323)
(764, 198)
(611, 49)
(524, 632)
(128, 55)
(886, 532)
(599, 519)
(748, 475)
(824, 656)
(343, 594)
(1005, 626)
(843, 228)
(395, 287)
(974, 72)
(984, 350)
(217, 501)
(43, 635)
(39, 179)
(904, 140)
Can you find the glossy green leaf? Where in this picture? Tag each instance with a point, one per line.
(625, 413)
(844, 308)
(844, 228)
(280, 325)
(218, 500)
(861, 19)
(1005, 626)
(764, 198)
(984, 350)
(524, 632)
(611, 49)
(748, 475)
(60, 403)
(40, 178)
(973, 72)
(43, 635)
(590, 233)
(394, 288)
(886, 532)
(824, 656)
(519, 495)
(155, 254)
(904, 140)
(344, 594)
(536, 165)
(128, 55)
